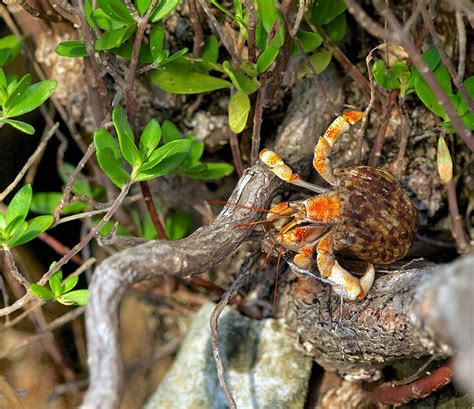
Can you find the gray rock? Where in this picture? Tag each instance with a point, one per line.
(262, 367)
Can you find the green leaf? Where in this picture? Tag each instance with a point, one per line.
(325, 11)
(266, 58)
(468, 120)
(157, 40)
(55, 283)
(70, 283)
(17, 233)
(177, 225)
(126, 139)
(310, 40)
(210, 50)
(3, 222)
(197, 149)
(179, 78)
(432, 58)
(163, 8)
(112, 167)
(3, 79)
(103, 139)
(80, 186)
(319, 60)
(210, 170)
(336, 29)
(239, 108)
(11, 44)
(33, 97)
(426, 94)
(20, 125)
(46, 202)
(15, 92)
(36, 226)
(150, 137)
(165, 159)
(267, 13)
(72, 49)
(463, 107)
(116, 10)
(384, 76)
(170, 132)
(41, 292)
(5, 56)
(240, 81)
(114, 38)
(109, 156)
(76, 297)
(18, 208)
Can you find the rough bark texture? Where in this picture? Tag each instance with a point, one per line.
(425, 310)
(307, 118)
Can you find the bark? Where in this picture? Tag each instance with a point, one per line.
(307, 118)
(424, 310)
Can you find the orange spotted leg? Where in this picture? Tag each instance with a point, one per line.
(284, 172)
(345, 284)
(325, 143)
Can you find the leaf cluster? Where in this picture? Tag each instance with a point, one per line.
(408, 80)
(14, 229)
(61, 290)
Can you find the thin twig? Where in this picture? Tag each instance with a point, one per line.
(39, 150)
(235, 149)
(150, 205)
(10, 262)
(231, 292)
(457, 79)
(461, 42)
(46, 330)
(251, 26)
(58, 247)
(257, 119)
(216, 27)
(198, 39)
(38, 13)
(405, 130)
(457, 228)
(78, 247)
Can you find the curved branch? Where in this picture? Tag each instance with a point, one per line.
(199, 252)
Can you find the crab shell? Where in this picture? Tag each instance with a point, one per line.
(378, 222)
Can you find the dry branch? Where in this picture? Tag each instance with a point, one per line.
(204, 249)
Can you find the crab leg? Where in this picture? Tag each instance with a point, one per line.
(284, 172)
(345, 284)
(325, 143)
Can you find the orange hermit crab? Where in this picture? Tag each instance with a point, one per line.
(367, 216)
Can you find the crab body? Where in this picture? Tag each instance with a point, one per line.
(366, 215)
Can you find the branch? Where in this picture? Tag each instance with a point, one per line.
(204, 249)
(422, 311)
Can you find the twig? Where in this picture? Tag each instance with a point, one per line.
(257, 119)
(235, 149)
(150, 205)
(39, 150)
(66, 258)
(382, 128)
(461, 41)
(198, 39)
(388, 394)
(299, 44)
(46, 330)
(251, 26)
(445, 59)
(10, 262)
(216, 27)
(457, 228)
(59, 247)
(397, 34)
(405, 130)
(38, 13)
(361, 130)
(231, 292)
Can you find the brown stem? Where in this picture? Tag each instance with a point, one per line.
(257, 119)
(198, 40)
(59, 247)
(251, 26)
(236, 156)
(150, 205)
(457, 228)
(388, 394)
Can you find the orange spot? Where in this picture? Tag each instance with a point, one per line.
(323, 208)
(325, 244)
(353, 116)
(278, 208)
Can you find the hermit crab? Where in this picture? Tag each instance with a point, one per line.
(365, 215)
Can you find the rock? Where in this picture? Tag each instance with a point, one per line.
(262, 367)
